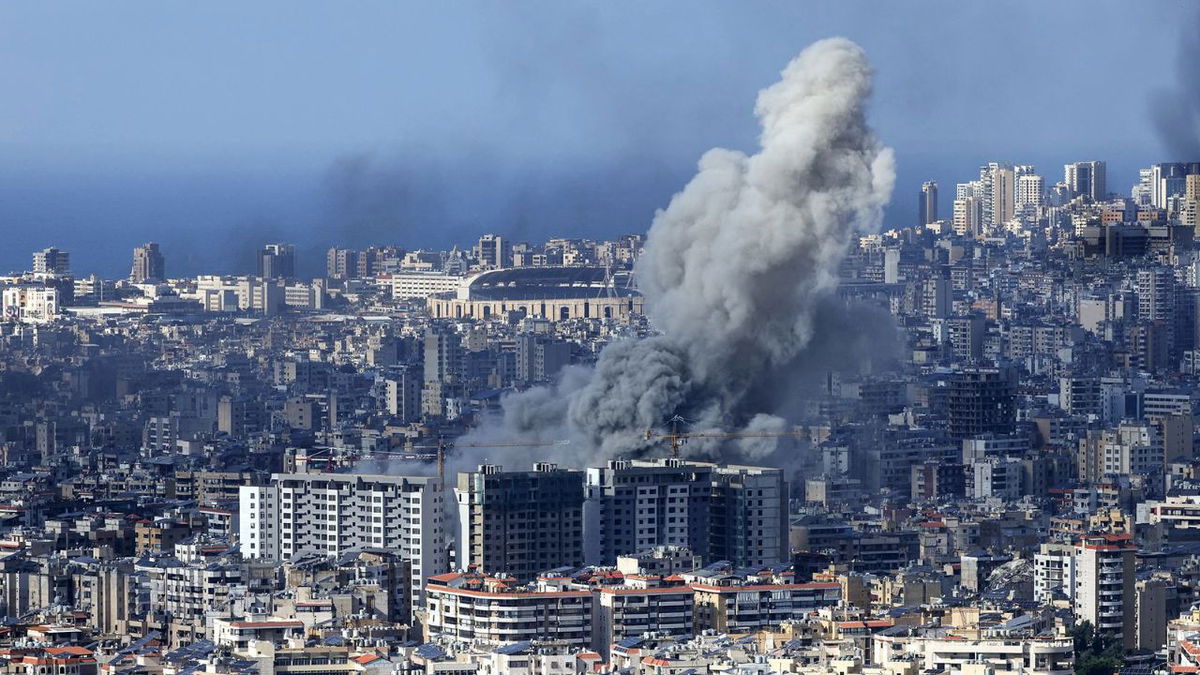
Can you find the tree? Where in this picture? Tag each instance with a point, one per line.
(1096, 653)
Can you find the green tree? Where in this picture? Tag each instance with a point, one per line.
(1095, 652)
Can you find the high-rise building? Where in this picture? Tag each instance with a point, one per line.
(980, 401)
(968, 216)
(1169, 180)
(331, 513)
(937, 297)
(1189, 210)
(1104, 585)
(341, 263)
(404, 394)
(520, 522)
(240, 415)
(1143, 192)
(1156, 294)
(51, 261)
(148, 264)
(444, 359)
(1086, 179)
(277, 261)
(734, 513)
(997, 191)
(927, 205)
(493, 251)
(1030, 188)
(539, 358)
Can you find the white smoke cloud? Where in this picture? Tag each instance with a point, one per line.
(736, 272)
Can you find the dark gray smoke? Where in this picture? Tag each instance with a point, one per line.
(738, 274)
(1176, 112)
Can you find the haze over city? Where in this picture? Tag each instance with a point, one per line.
(211, 127)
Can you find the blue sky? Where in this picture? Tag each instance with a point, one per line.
(214, 126)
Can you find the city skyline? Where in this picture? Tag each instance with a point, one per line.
(543, 152)
(678, 342)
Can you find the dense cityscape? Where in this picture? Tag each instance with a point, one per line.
(218, 472)
(775, 428)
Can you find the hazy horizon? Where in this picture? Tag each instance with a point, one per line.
(213, 129)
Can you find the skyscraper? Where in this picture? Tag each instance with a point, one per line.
(997, 183)
(1086, 179)
(927, 205)
(277, 261)
(51, 261)
(147, 264)
(968, 216)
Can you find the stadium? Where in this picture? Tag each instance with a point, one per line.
(556, 293)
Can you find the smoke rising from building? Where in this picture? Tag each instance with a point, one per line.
(738, 274)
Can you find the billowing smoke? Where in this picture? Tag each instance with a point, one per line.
(1176, 112)
(738, 275)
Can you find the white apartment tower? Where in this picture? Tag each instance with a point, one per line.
(1104, 585)
(330, 513)
(1156, 293)
(1030, 188)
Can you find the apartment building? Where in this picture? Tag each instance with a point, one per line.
(330, 513)
(1104, 585)
(952, 654)
(641, 605)
(520, 523)
(471, 606)
(732, 604)
(734, 513)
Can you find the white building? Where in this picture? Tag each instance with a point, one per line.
(1030, 188)
(406, 285)
(998, 477)
(1053, 571)
(1104, 586)
(247, 294)
(331, 513)
(1180, 511)
(30, 304)
(952, 654)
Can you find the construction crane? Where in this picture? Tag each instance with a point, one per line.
(677, 438)
(439, 450)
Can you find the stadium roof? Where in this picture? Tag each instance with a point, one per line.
(557, 283)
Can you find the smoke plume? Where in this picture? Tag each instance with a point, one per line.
(1176, 112)
(738, 275)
